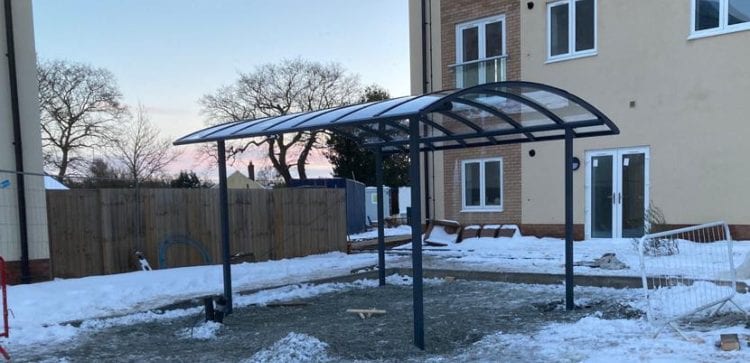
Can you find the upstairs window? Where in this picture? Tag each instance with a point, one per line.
(480, 52)
(571, 29)
(712, 17)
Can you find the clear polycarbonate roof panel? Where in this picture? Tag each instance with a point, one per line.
(332, 117)
(198, 136)
(375, 109)
(416, 105)
(502, 112)
(292, 123)
(241, 127)
(565, 108)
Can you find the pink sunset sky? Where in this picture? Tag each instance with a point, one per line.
(166, 54)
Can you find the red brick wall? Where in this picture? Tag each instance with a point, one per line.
(511, 213)
(740, 232)
(40, 271)
(452, 13)
(551, 230)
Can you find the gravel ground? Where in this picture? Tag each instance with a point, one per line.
(457, 314)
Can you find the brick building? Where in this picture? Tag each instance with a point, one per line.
(671, 75)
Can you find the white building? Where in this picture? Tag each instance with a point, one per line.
(35, 241)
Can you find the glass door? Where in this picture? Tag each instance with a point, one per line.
(602, 193)
(616, 192)
(632, 194)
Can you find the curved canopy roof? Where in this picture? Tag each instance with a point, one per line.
(487, 114)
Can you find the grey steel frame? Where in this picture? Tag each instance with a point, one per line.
(417, 143)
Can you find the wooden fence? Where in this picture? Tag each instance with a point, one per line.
(98, 231)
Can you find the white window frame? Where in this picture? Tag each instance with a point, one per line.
(482, 46)
(572, 53)
(482, 187)
(724, 27)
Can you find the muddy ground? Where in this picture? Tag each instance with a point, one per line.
(457, 314)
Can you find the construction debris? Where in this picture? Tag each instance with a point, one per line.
(608, 261)
(440, 232)
(729, 342)
(366, 313)
(142, 261)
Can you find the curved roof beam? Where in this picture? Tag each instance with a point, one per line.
(567, 95)
(442, 129)
(497, 113)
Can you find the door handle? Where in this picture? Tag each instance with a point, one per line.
(619, 198)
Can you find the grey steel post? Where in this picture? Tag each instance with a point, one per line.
(569, 304)
(416, 232)
(381, 217)
(224, 216)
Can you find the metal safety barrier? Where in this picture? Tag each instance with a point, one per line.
(687, 271)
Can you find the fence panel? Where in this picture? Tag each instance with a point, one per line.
(98, 231)
(686, 271)
(73, 216)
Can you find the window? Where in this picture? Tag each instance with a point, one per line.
(571, 26)
(482, 185)
(712, 17)
(480, 51)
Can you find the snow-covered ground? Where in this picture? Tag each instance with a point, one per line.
(396, 231)
(547, 255)
(38, 309)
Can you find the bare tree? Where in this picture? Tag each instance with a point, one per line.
(278, 89)
(80, 106)
(141, 150)
(269, 177)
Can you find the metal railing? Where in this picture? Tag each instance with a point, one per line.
(480, 71)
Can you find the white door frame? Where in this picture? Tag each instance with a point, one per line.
(617, 161)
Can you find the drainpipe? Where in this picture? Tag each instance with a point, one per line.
(18, 146)
(425, 89)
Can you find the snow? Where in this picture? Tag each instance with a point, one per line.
(611, 341)
(204, 331)
(295, 347)
(37, 309)
(546, 255)
(743, 270)
(121, 299)
(396, 231)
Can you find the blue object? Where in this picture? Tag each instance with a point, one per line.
(173, 240)
(355, 198)
(5, 184)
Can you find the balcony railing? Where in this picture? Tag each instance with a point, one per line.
(480, 71)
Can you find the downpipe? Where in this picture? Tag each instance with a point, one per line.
(18, 146)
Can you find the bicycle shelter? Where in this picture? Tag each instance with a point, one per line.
(489, 114)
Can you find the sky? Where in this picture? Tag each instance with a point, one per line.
(166, 54)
